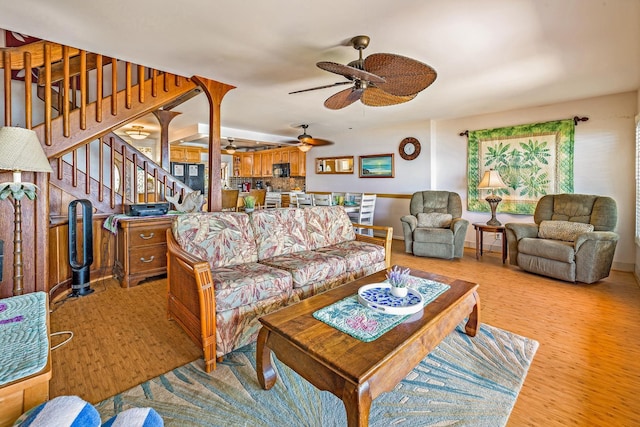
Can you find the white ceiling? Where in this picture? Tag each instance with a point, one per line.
(490, 55)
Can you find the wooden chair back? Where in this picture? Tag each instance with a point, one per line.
(230, 200)
(260, 195)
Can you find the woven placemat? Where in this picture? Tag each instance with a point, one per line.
(352, 318)
(24, 344)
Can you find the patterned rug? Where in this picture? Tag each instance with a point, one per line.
(464, 382)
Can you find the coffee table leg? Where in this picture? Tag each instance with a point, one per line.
(266, 374)
(471, 328)
(357, 402)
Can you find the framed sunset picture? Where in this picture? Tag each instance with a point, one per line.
(376, 166)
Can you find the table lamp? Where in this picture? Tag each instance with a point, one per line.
(20, 150)
(490, 181)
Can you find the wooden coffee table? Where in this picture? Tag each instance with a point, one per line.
(355, 371)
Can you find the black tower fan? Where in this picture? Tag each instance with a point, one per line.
(81, 281)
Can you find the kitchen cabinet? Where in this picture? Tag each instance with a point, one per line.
(267, 163)
(185, 154)
(141, 249)
(246, 164)
(257, 165)
(294, 161)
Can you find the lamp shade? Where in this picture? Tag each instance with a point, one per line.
(491, 179)
(20, 150)
(136, 132)
(304, 147)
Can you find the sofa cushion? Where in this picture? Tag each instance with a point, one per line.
(563, 230)
(221, 238)
(248, 283)
(309, 266)
(546, 248)
(328, 225)
(434, 220)
(357, 254)
(135, 417)
(433, 235)
(279, 232)
(69, 411)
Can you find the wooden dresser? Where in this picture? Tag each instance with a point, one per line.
(141, 249)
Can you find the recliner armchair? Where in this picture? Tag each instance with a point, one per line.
(572, 238)
(435, 227)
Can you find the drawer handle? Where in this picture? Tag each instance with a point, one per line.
(147, 260)
(150, 236)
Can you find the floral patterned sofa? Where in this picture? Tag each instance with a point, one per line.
(226, 269)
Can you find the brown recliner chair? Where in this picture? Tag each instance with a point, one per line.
(434, 227)
(572, 238)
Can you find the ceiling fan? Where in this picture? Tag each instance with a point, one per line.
(378, 80)
(231, 148)
(306, 141)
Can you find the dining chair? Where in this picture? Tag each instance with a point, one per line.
(322, 200)
(273, 200)
(365, 213)
(230, 200)
(304, 200)
(260, 195)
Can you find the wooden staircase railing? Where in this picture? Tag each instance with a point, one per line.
(85, 97)
(118, 174)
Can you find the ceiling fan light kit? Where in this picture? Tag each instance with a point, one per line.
(230, 148)
(379, 80)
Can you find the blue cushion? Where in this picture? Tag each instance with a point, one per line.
(135, 417)
(63, 411)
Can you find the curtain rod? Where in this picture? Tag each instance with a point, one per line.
(576, 119)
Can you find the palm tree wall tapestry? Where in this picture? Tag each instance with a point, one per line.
(533, 160)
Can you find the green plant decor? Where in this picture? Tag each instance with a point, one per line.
(533, 160)
(249, 202)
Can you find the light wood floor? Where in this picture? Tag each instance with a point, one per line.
(586, 371)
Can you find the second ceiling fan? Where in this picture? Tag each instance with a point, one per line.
(378, 80)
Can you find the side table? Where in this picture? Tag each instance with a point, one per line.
(484, 228)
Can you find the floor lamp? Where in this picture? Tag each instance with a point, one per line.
(20, 151)
(491, 181)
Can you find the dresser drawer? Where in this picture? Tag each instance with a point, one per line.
(144, 259)
(141, 236)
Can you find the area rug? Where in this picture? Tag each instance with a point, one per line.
(463, 382)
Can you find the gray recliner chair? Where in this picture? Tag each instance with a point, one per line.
(572, 238)
(435, 227)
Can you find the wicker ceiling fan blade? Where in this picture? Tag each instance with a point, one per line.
(342, 99)
(317, 142)
(376, 97)
(404, 76)
(350, 72)
(321, 87)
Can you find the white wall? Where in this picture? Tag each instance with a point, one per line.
(604, 161)
(604, 156)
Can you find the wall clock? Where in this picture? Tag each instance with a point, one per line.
(409, 148)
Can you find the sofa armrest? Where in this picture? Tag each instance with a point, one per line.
(191, 298)
(410, 220)
(605, 236)
(516, 231)
(594, 255)
(384, 241)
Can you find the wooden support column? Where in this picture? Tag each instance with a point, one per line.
(215, 92)
(164, 118)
